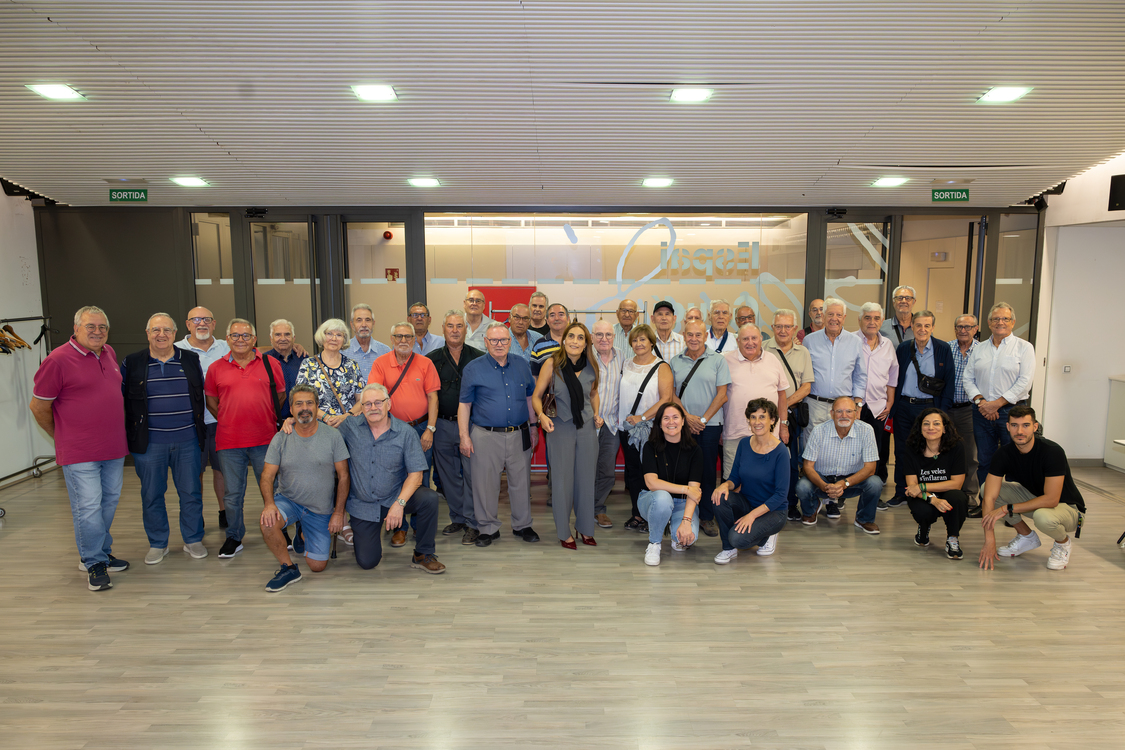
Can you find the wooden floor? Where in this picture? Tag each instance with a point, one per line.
(840, 640)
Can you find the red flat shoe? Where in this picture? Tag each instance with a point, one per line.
(568, 545)
(589, 540)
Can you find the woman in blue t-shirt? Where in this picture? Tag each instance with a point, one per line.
(751, 505)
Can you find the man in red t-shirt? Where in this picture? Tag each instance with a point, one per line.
(240, 397)
(77, 400)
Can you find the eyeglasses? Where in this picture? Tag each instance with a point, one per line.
(240, 336)
(624, 311)
(474, 301)
(402, 336)
(964, 328)
(520, 318)
(327, 334)
(419, 315)
(498, 342)
(903, 299)
(783, 327)
(91, 328)
(603, 335)
(1001, 320)
(200, 321)
(159, 331)
(743, 319)
(372, 403)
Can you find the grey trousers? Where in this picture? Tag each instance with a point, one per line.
(494, 452)
(819, 413)
(455, 473)
(962, 418)
(573, 452)
(608, 446)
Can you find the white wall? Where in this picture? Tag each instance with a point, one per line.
(1086, 197)
(21, 440)
(1086, 280)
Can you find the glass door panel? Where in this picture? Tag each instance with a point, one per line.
(856, 264)
(938, 257)
(1015, 267)
(375, 274)
(214, 269)
(284, 273)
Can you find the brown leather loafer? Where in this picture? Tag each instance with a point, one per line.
(398, 539)
(867, 528)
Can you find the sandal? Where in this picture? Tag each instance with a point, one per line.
(347, 536)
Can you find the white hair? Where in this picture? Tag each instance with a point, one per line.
(835, 302)
(92, 310)
(283, 321)
(451, 313)
(158, 315)
(871, 307)
(374, 387)
(904, 286)
(332, 325)
(402, 324)
(785, 312)
(362, 306)
(714, 302)
(497, 324)
(241, 321)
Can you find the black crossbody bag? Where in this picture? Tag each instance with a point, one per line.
(273, 393)
(799, 412)
(926, 384)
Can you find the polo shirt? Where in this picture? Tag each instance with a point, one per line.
(378, 468)
(895, 331)
(837, 365)
(365, 359)
(290, 367)
(926, 362)
(532, 339)
(450, 373)
(704, 384)
(833, 456)
(750, 379)
(475, 336)
(207, 357)
(670, 348)
(542, 350)
(498, 393)
(428, 343)
(246, 417)
(799, 361)
(717, 344)
(882, 370)
(170, 418)
(87, 403)
(409, 401)
(1006, 370)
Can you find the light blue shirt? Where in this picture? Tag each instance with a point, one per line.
(926, 362)
(834, 456)
(428, 343)
(207, 357)
(519, 351)
(838, 367)
(365, 359)
(704, 384)
(609, 389)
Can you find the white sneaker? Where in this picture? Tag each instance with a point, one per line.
(652, 554)
(677, 547)
(1060, 556)
(155, 555)
(1019, 545)
(196, 550)
(769, 547)
(725, 556)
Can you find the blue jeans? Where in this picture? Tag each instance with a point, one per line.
(868, 490)
(659, 508)
(235, 461)
(989, 437)
(185, 461)
(94, 488)
(314, 526)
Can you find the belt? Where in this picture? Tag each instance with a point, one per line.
(447, 419)
(912, 400)
(961, 405)
(418, 421)
(822, 398)
(502, 429)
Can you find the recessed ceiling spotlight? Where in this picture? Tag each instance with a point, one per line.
(375, 93)
(191, 182)
(424, 181)
(58, 91)
(890, 182)
(691, 96)
(657, 182)
(1003, 94)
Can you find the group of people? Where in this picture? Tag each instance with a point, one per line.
(725, 430)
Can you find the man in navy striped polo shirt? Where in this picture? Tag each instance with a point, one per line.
(164, 401)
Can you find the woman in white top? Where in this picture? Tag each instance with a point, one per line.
(650, 377)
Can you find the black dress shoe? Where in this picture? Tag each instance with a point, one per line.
(486, 539)
(452, 529)
(976, 511)
(528, 534)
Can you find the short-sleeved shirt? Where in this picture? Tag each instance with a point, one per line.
(763, 479)
(532, 339)
(895, 331)
(833, 456)
(428, 343)
(704, 384)
(306, 470)
(291, 367)
(378, 468)
(449, 374)
(207, 357)
(410, 400)
(474, 337)
(799, 361)
(365, 359)
(498, 394)
(246, 416)
(939, 468)
(727, 342)
(170, 418)
(621, 340)
(670, 348)
(1045, 459)
(750, 379)
(87, 403)
(673, 463)
(540, 352)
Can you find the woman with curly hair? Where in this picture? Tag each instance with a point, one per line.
(934, 463)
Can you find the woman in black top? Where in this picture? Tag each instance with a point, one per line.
(934, 463)
(672, 465)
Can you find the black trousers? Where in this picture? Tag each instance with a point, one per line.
(927, 515)
(882, 441)
(905, 415)
(634, 478)
(422, 505)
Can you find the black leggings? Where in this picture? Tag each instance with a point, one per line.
(927, 515)
(634, 478)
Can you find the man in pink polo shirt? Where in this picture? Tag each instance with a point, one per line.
(77, 400)
(239, 395)
(752, 376)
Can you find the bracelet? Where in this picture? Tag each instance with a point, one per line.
(687, 519)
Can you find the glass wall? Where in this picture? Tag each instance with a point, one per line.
(375, 273)
(1015, 267)
(856, 255)
(284, 271)
(214, 268)
(934, 260)
(591, 261)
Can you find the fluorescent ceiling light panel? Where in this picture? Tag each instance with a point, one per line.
(890, 182)
(56, 91)
(190, 182)
(375, 93)
(657, 182)
(1003, 94)
(424, 182)
(691, 96)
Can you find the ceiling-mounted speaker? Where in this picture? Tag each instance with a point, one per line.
(1117, 192)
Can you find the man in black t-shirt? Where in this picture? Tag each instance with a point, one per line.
(1030, 475)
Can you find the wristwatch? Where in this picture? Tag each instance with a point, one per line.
(785, 422)
(401, 503)
(431, 428)
(703, 420)
(847, 483)
(1010, 514)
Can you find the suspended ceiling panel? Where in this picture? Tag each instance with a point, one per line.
(556, 102)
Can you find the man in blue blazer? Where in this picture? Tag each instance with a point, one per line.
(935, 359)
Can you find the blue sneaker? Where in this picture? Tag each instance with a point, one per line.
(894, 502)
(289, 574)
(298, 539)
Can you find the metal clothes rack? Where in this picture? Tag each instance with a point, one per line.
(643, 311)
(38, 462)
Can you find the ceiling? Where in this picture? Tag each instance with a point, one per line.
(557, 102)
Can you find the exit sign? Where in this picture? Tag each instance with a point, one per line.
(949, 196)
(129, 196)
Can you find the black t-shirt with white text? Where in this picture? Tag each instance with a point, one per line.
(1045, 459)
(938, 468)
(673, 464)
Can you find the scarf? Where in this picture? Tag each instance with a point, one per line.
(570, 372)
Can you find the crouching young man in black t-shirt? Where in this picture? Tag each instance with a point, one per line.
(1030, 475)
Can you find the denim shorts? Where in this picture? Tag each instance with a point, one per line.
(314, 526)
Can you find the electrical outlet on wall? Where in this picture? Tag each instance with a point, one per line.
(1066, 368)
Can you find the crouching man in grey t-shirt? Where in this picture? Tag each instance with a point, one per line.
(304, 462)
